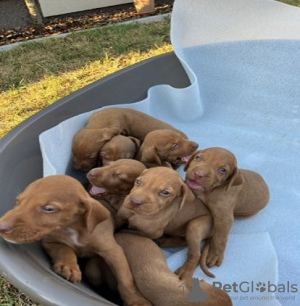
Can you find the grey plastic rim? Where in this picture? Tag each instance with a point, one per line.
(26, 266)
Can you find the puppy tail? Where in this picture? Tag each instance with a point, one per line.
(203, 261)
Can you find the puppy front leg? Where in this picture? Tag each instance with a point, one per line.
(196, 231)
(64, 260)
(223, 221)
(122, 217)
(117, 261)
(170, 241)
(105, 245)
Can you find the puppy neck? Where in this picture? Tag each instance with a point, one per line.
(114, 201)
(202, 195)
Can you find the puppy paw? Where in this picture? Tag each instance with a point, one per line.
(184, 273)
(214, 257)
(70, 272)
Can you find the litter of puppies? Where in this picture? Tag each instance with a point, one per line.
(136, 201)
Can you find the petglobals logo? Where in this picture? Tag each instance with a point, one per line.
(246, 287)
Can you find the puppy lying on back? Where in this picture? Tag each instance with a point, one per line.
(165, 147)
(105, 124)
(119, 147)
(114, 181)
(153, 278)
(57, 210)
(161, 203)
(227, 191)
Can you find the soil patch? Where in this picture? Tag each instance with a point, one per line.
(80, 21)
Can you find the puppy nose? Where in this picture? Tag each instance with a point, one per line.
(5, 228)
(91, 174)
(199, 174)
(195, 145)
(135, 202)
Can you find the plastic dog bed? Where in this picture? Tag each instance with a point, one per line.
(27, 266)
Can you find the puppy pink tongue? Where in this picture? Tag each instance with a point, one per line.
(97, 190)
(193, 184)
(184, 159)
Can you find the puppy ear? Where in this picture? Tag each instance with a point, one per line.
(186, 195)
(149, 155)
(95, 212)
(136, 141)
(235, 179)
(106, 134)
(189, 161)
(104, 154)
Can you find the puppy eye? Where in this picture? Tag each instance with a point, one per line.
(138, 182)
(175, 145)
(222, 170)
(92, 157)
(48, 209)
(198, 158)
(165, 193)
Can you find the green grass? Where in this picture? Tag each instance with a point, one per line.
(10, 296)
(37, 74)
(291, 2)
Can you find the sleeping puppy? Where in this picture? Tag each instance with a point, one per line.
(114, 181)
(161, 203)
(227, 191)
(57, 210)
(87, 144)
(119, 147)
(106, 123)
(153, 277)
(165, 147)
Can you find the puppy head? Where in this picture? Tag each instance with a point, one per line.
(119, 147)
(166, 146)
(47, 205)
(210, 168)
(156, 189)
(87, 144)
(117, 177)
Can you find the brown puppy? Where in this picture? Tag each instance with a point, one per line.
(119, 147)
(114, 181)
(153, 277)
(227, 191)
(162, 147)
(105, 124)
(161, 203)
(58, 210)
(86, 146)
